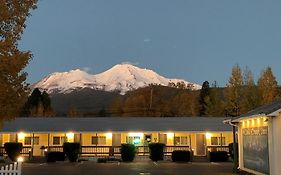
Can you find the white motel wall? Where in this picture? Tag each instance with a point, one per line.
(259, 139)
(199, 134)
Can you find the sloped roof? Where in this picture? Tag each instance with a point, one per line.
(268, 109)
(265, 109)
(117, 124)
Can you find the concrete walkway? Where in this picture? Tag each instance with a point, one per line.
(136, 168)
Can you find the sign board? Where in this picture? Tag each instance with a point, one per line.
(255, 149)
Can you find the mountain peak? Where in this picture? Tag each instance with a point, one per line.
(121, 77)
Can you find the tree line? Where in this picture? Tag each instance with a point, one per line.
(240, 95)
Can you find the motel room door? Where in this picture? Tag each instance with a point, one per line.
(200, 145)
(116, 139)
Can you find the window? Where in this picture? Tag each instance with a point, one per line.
(98, 140)
(27, 141)
(217, 140)
(181, 140)
(133, 139)
(57, 140)
(36, 140)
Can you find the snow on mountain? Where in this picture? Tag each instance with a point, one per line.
(121, 77)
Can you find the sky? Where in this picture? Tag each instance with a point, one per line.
(195, 40)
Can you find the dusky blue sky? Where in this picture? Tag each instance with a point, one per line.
(196, 40)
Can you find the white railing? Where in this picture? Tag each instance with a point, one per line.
(12, 169)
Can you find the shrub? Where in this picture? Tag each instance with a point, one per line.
(218, 156)
(72, 151)
(156, 151)
(181, 156)
(128, 152)
(102, 160)
(54, 156)
(13, 150)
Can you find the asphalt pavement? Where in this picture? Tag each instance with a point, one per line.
(135, 168)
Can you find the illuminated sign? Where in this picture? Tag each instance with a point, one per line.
(255, 149)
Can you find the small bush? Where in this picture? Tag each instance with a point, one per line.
(156, 151)
(218, 156)
(72, 151)
(181, 156)
(128, 152)
(102, 160)
(13, 150)
(54, 156)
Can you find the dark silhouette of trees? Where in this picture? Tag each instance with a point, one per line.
(38, 105)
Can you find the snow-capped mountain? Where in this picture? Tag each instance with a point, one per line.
(121, 77)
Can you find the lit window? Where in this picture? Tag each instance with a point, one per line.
(99, 140)
(217, 140)
(27, 140)
(133, 140)
(181, 140)
(36, 140)
(57, 140)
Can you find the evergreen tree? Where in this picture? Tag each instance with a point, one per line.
(250, 92)
(267, 86)
(233, 92)
(214, 104)
(204, 93)
(13, 90)
(38, 105)
(46, 102)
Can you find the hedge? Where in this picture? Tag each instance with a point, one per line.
(72, 151)
(156, 151)
(218, 156)
(181, 156)
(128, 152)
(13, 150)
(54, 156)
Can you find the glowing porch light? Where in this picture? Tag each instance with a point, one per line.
(170, 135)
(259, 121)
(70, 136)
(208, 135)
(20, 159)
(21, 135)
(248, 123)
(109, 135)
(135, 134)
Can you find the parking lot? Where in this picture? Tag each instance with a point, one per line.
(135, 168)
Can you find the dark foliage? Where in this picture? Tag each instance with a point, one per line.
(218, 156)
(128, 152)
(72, 151)
(156, 151)
(231, 153)
(181, 156)
(54, 156)
(13, 150)
(204, 93)
(38, 105)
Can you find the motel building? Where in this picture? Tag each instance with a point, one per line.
(103, 136)
(259, 143)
